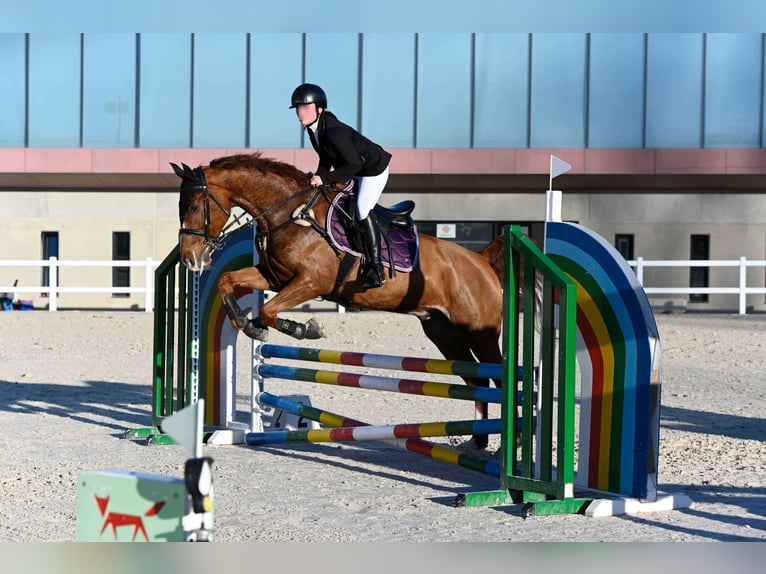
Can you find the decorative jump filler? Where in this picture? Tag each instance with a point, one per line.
(128, 506)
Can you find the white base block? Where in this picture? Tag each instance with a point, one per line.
(619, 506)
(227, 436)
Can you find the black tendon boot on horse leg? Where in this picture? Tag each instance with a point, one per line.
(374, 276)
(251, 328)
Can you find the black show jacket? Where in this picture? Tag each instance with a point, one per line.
(347, 152)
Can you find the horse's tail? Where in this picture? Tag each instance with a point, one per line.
(493, 253)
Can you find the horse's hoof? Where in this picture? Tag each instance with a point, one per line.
(314, 330)
(311, 329)
(255, 332)
(527, 510)
(480, 441)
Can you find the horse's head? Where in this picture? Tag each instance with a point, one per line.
(201, 222)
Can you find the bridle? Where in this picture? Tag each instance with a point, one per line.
(194, 181)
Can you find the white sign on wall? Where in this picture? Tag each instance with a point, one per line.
(446, 230)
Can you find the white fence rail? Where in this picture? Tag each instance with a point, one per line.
(54, 290)
(742, 289)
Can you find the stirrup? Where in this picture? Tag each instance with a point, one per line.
(374, 277)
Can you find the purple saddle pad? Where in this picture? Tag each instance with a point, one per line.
(404, 242)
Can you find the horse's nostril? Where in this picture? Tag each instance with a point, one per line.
(190, 263)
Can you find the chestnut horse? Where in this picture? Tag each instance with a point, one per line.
(455, 292)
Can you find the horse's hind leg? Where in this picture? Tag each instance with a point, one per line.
(454, 347)
(485, 344)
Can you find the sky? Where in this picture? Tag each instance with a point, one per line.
(423, 16)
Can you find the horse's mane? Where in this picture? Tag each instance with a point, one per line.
(256, 161)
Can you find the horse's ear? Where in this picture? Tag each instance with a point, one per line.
(177, 169)
(188, 172)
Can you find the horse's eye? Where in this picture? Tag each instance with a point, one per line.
(193, 208)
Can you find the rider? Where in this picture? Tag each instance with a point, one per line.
(345, 153)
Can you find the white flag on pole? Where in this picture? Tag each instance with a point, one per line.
(558, 166)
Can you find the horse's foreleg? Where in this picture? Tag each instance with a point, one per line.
(251, 278)
(238, 316)
(311, 329)
(293, 294)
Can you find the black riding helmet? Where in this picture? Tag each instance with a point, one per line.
(309, 94)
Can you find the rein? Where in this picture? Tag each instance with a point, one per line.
(215, 243)
(303, 215)
(287, 200)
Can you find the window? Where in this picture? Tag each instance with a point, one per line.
(332, 61)
(444, 91)
(272, 81)
(733, 90)
(109, 90)
(473, 235)
(623, 242)
(674, 91)
(50, 248)
(502, 90)
(558, 91)
(54, 90)
(388, 89)
(121, 252)
(220, 90)
(699, 276)
(616, 103)
(12, 91)
(165, 90)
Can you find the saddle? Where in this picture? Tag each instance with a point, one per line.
(399, 238)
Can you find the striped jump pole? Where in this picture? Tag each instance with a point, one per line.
(391, 362)
(373, 382)
(376, 432)
(416, 445)
(305, 411)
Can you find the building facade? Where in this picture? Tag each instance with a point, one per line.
(664, 132)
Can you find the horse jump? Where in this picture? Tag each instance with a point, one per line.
(345, 428)
(542, 476)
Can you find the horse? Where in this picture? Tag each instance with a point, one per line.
(456, 293)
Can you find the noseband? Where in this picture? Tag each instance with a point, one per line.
(193, 183)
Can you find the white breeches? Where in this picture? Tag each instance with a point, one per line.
(370, 189)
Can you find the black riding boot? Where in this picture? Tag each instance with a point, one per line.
(374, 275)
